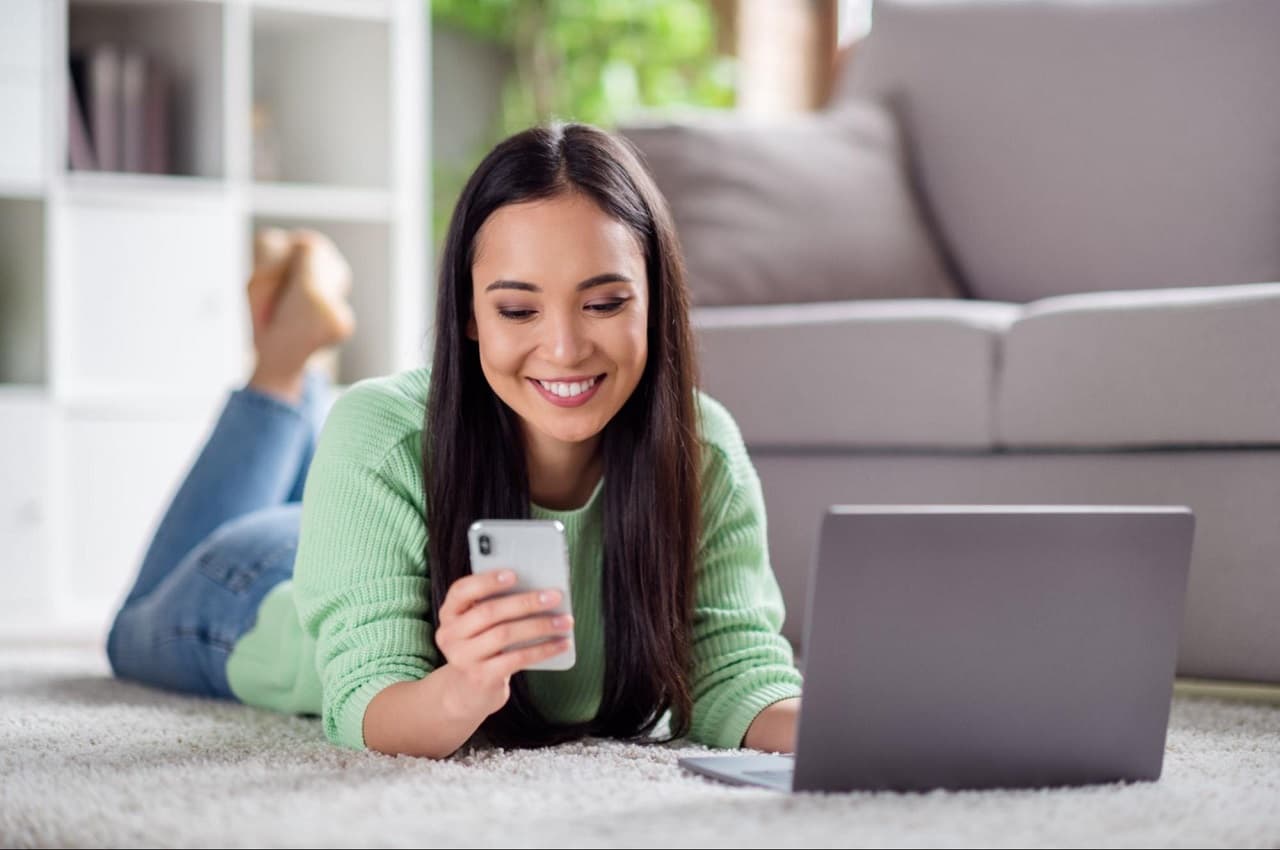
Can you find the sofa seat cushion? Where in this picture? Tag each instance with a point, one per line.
(909, 373)
(1180, 367)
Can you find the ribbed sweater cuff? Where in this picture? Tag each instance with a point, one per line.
(347, 726)
(745, 710)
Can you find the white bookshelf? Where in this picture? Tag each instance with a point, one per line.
(122, 316)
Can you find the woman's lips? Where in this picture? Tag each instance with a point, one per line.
(572, 401)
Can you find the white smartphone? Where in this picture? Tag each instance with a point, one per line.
(537, 552)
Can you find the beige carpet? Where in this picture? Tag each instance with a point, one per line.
(87, 761)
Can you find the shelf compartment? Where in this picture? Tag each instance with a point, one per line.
(26, 510)
(120, 471)
(22, 296)
(321, 95)
(367, 249)
(151, 299)
(185, 39)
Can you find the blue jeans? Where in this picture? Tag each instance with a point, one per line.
(227, 538)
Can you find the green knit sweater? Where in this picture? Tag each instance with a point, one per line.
(354, 618)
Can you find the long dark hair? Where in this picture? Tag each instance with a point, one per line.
(473, 458)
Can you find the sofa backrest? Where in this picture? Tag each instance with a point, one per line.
(1067, 146)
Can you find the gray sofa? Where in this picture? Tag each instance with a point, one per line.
(1103, 182)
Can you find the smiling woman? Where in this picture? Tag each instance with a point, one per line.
(564, 354)
(562, 387)
(561, 264)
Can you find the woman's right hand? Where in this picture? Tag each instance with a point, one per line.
(474, 629)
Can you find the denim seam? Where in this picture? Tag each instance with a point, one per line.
(200, 636)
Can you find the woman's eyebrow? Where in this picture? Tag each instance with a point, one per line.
(598, 280)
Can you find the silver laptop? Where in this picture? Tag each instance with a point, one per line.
(984, 646)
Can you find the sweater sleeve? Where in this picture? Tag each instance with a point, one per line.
(741, 663)
(360, 578)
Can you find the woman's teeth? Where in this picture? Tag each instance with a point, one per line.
(568, 390)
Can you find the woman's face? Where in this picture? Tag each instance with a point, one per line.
(560, 309)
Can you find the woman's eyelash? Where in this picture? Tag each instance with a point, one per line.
(606, 307)
(595, 308)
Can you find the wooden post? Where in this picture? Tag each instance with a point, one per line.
(786, 54)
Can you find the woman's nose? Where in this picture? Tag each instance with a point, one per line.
(569, 343)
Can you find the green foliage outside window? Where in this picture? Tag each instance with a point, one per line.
(594, 61)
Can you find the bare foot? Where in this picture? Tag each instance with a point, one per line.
(298, 299)
(271, 248)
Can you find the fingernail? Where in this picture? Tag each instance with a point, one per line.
(560, 622)
(506, 577)
(547, 597)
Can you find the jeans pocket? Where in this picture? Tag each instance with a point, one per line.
(237, 570)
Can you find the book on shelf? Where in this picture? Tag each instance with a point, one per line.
(103, 77)
(79, 147)
(120, 113)
(133, 81)
(156, 154)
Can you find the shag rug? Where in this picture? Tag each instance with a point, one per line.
(89, 761)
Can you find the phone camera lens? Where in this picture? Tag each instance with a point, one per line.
(485, 547)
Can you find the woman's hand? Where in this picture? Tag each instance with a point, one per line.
(474, 629)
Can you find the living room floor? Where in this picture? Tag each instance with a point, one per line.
(88, 760)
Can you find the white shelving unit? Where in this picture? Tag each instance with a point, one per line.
(123, 323)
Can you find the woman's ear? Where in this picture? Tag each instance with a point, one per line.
(472, 334)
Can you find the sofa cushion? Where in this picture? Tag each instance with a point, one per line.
(1066, 146)
(894, 373)
(1197, 366)
(804, 208)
